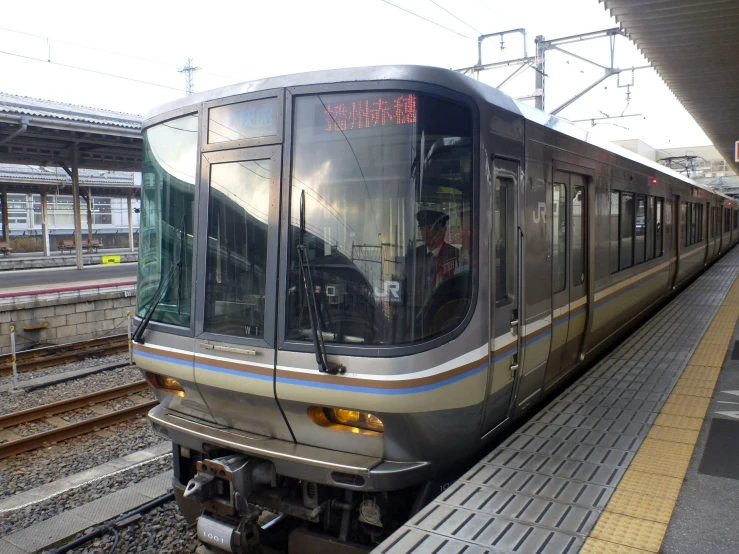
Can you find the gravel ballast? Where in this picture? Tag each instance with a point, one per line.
(28, 470)
(21, 518)
(71, 366)
(71, 389)
(162, 530)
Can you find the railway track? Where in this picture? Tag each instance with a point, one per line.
(40, 358)
(68, 430)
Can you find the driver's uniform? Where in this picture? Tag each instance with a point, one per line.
(433, 268)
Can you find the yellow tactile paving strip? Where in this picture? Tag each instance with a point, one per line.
(636, 517)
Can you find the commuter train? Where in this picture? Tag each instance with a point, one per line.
(352, 281)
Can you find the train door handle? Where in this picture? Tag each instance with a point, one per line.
(514, 365)
(514, 322)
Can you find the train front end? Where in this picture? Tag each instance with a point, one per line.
(308, 276)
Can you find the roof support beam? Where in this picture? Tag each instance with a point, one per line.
(76, 207)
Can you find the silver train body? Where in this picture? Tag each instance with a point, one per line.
(562, 245)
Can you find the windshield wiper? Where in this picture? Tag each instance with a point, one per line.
(163, 287)
(324, 366)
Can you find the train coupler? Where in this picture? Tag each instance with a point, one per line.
(223, 485)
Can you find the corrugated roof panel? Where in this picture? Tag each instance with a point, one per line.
(693, 45)
(34, 107)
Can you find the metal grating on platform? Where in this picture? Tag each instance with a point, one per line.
(545, 487)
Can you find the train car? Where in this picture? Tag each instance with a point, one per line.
(356, 280)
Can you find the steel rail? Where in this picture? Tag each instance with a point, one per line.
(72, 430)
(40, 412)
(40, 358)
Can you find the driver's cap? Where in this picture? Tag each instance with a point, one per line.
(431, 217)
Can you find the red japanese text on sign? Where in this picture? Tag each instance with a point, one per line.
(363, 114)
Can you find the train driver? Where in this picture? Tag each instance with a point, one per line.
(436, 260)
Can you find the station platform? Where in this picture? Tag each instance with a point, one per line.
(15, 284)
(36, 260)
(641, 454)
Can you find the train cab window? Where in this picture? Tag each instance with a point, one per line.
(626, 230)
(243, 120)
(502, 236)
(578, 235)
(236, 262)
(382, 200)
(640, 228)
(559, 237)
(166, 224)
(659, 250)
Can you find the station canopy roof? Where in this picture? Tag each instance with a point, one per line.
(693, 45)
(43, 133)
(33, 179)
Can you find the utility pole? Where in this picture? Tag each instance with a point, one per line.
(189, 70)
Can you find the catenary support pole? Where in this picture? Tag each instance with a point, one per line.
(540, 70)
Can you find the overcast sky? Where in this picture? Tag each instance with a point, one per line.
(235, 41)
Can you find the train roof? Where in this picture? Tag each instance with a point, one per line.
(442, 77)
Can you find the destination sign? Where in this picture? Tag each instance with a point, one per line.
(368, 111)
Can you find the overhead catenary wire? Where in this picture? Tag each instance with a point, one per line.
(92, 71)
(428, 20)
(112, 52)
(455, 17)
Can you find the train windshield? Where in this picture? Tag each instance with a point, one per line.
(167, 200)
(381, 198)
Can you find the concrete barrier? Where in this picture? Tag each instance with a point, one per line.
(65, 316)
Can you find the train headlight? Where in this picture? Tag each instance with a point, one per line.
(165, 384)
(347, 420)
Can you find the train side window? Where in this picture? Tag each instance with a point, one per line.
(727, 221)
(641, 209)
(736, 218)
(684, 221)
(626, 228)
(699, 232)
(660, 233)
(651, 207)
(501, 238)
(614, 230)
(578, 235)
(559, 237)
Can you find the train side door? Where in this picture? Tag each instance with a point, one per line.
(559, 259)
(504, 282)
(577, 268)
